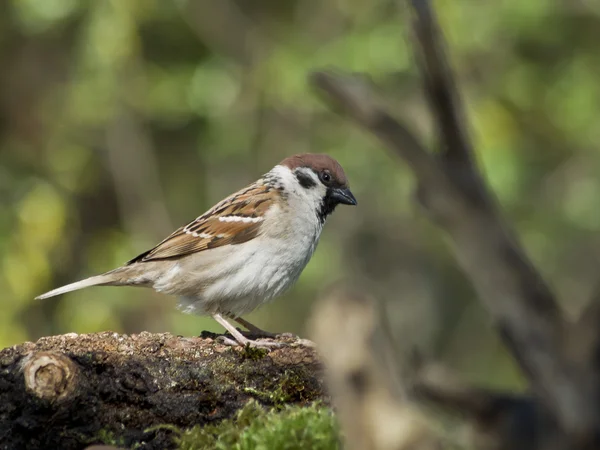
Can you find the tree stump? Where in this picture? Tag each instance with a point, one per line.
(67, 391)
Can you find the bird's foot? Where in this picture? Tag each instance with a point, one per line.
(297, 340)
(263, 343)
(304, 342)
(255, 334)
(257, 343)
(253, 330)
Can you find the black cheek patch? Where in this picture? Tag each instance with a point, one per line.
(306, 181)
(327, 206)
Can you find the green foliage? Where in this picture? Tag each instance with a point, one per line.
(292, 428)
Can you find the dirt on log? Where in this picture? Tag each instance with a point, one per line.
(68, 391)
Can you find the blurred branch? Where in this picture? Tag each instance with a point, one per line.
(524, 309)
(452, 191)
(584, 339)
(360, 371)
(379, 394)
(439, 85)
(500, 421)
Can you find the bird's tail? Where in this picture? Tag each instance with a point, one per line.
(112, 278)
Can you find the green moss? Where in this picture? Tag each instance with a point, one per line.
(291, 428)
(254, 353)
(291, 387)
(108, 437)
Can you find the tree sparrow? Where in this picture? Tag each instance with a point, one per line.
(245, 250)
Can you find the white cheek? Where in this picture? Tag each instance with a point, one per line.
(299, 197)
(312, 197)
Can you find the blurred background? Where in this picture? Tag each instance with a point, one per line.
(122, 120)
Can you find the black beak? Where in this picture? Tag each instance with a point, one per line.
(343, 195)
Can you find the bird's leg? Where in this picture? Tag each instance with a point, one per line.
(239, 337)
(253, 328)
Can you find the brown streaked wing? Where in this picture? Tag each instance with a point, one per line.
(208, 232)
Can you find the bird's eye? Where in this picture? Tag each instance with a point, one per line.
(325, 177)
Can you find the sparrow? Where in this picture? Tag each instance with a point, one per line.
(244, 251)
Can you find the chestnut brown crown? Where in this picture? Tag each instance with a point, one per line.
(318, 163)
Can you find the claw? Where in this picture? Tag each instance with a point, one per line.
(261, 343)
(225, 340)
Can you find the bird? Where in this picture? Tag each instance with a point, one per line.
(243, 252)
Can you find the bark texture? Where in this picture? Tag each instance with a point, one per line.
(68, 391)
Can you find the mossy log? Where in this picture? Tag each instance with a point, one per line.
(68, 391)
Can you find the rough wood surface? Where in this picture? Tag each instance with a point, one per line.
(67, 391)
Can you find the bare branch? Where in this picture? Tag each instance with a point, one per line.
(522, 305)
(499, 421)
(439, 85)
(353, 95)
(583, 341)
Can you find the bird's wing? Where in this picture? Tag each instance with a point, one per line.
(234, 220)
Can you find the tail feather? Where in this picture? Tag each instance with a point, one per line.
(105, 279)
